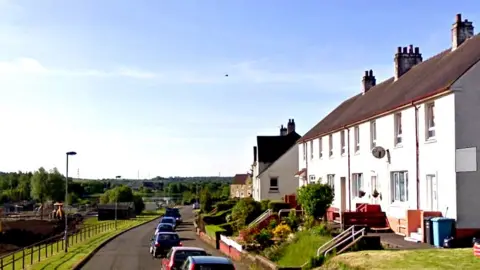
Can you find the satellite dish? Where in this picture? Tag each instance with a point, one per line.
(379, 152)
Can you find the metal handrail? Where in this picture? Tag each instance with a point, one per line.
(362, 231)
(333, 240)
(264, 215)
(289, 210)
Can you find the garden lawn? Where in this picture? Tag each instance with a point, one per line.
(212, 229)
(80, 250)
(300, 251)
(406, 259)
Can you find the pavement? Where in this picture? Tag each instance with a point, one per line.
(131, 250)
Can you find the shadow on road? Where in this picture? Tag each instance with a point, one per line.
(186, 239)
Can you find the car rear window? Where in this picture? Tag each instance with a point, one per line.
(161, 237)
(214, 267)
(167, 220)
(181, 255)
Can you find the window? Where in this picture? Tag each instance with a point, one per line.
(373, 134)
(241, 194)
(398, 128)
(331, 180)
(304, 151)
(330, 144)
(237, 194)
(357, 138)
(274, 184)
(430, 121)
(311, 149)
(342, 142)
(357, 184)
(399, 186)
(320, 148)
(311, 179)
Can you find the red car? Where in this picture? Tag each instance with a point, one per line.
(178, 255)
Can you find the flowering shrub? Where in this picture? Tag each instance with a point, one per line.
(282, 231)
(248, 234)
(264, 238)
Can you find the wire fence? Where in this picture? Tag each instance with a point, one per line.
(37, 252)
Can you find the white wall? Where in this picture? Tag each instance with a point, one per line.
(285, 169)
(467, 134)
(435, 157)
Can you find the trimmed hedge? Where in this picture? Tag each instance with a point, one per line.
(211, 230)
(217, 218)
(226, 205)
(278, 205)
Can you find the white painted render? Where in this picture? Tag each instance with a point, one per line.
(285, 169)
(437, 157)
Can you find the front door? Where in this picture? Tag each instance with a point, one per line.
(343, 194)
(432, 192)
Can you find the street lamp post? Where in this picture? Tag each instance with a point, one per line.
(65, 203)
(116, 203)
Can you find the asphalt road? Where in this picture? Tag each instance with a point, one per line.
(131, 250)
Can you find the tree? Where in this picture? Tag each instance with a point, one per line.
(315, 199)
(206, 200)
(40, 187)
(139, 204)
(245, 211)
(56, 185)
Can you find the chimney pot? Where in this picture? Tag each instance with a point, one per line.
(399, 50)
(290, 126)
(371, 73)
(366, 73)
(410, 48)
(404, 49)
(458, 17)
(417, 50)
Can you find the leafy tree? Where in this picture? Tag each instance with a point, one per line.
(206, 200)
(40, 187)
(315, 199)
(139, 204)
(245, 211)
(56, 185)
(24, 187)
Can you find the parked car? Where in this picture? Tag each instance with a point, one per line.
(175, 213)
(196, 206)
(207, 262)
(169, 220)
(162, 242)
(164, 227)
(177, 256)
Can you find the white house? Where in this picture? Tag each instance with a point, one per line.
(426, 118)
(275, 162)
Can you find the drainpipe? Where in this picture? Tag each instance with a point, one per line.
(305, 149)
(348, 171)
(417, 156)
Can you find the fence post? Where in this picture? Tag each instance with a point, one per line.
(46, 250)
(13, 261)
(23, 258)
(51, 249)
(39, 251)
(31, 255)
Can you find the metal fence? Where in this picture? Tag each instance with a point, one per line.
(26, 256)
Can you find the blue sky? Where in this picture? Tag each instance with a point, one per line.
(140, 86)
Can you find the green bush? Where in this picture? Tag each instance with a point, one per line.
(225, 205)
(264, 238)
(322, 230)
(264, 205)
(292, 219)
(278, 205)
(245, 211)
(211, 230)
(315, 199)
(228, 227)
(217, 218)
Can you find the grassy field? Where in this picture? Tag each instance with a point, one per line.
(299, 252)
(77, 250)
(406, 259)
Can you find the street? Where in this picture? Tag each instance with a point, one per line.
(131, 250)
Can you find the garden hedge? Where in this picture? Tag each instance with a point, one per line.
(276, 206)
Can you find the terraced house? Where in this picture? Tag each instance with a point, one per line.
(424, 124)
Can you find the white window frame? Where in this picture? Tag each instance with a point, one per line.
(356, 131)
(241, 194)
(342, 142)
(357, 184)
(273, 188)
(398, 140)
(311, 179)
(331, 180)
(320, 148)
(311, 149)
(330, 144)
(373, 134)
(430, 121)
(396, 187)
(432, 189)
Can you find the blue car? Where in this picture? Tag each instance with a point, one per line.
(162, 242)
(169, 220)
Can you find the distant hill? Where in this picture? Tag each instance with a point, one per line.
(161, 181)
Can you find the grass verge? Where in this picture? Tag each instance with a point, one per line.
(212, 229)
(300, 251)
(405, 259)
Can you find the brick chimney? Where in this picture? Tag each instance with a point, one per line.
(461, 31)
(368, 81)
(405, 59)
(283, 131)
(290, 126)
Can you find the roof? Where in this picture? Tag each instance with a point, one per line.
(240, 179)
(431, 77)
(301, 172)
(188, 248)
(271, 148)
(210, 260)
